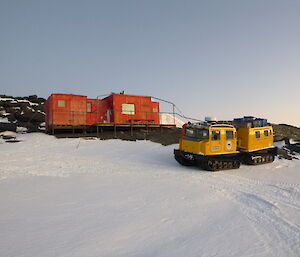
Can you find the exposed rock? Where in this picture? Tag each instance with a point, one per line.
(284, 132)
(164, 136)
(7, 127)
(289, 151)
(294, 147)
(25, 112)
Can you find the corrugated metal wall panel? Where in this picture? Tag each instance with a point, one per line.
(143, 113)
(68, 109)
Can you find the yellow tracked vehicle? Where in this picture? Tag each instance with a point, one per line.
(217, 146)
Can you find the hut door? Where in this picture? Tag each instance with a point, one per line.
(108, 116)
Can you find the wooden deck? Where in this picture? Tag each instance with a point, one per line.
(99, 127)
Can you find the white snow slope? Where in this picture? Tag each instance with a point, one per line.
(76, 197)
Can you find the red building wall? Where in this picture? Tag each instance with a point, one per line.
(97, 111)
(69, 109)
(66, 109)
(142, 109)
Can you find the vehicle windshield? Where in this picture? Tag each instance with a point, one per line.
(196, 133)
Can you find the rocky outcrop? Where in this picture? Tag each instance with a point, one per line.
(289, 151)
(286, 132)
(26, 112)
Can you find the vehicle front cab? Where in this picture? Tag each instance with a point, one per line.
(208, 139)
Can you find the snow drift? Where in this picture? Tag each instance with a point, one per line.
(76, 197)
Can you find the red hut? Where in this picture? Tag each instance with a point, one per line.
(75, 110)
(131, 109)
(65, 109)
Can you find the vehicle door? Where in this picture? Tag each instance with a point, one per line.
(215, 141)
(229, 141)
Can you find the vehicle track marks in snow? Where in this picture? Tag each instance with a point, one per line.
(259, 202)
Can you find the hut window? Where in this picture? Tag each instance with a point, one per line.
(128, 109)
(61, 103)
(89, 107)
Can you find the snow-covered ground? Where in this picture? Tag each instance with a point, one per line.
(76, 197)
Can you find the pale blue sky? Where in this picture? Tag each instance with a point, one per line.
(211, 58)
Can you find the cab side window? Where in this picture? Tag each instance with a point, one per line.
(266, 133)
(216, 134)
(257, 134)
(229, 135)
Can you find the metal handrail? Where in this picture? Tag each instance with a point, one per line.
(176, 112)
(174, 107)
(73, 114)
